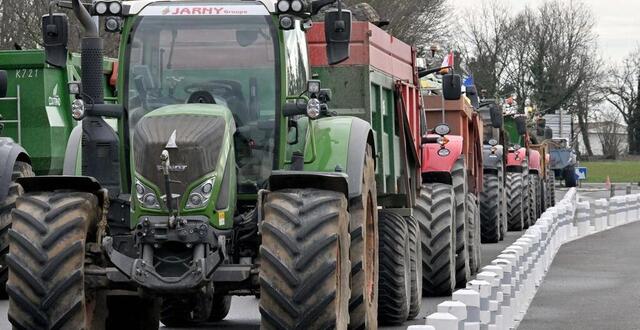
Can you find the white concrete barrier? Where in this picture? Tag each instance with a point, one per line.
(501, 293)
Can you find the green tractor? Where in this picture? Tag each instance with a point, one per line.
(226, 175)
(35, 124)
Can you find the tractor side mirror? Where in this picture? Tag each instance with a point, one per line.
(548, 133)
(521, 125)
(496, 116)
(452, 86)
(337, 29)
(472, 94)
(55, 35)
(4, 82)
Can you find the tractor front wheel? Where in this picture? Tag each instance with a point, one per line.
(46, 262)
(435, 211)
(304, 275)
(490, 209)
(515, 201)
(20, 170)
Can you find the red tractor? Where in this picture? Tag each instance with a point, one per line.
(452, 181)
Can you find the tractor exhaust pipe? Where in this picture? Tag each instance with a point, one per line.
(92, 54)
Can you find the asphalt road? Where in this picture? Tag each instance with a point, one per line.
(244, 310)
(592, 284)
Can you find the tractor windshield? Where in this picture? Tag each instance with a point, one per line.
(179, 55)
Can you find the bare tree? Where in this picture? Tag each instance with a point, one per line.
(610, 134)
(622, 91)
(587, 97)
(485, 44)
(416, 22)
(20, 26)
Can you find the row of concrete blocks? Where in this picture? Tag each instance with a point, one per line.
(602, 214)
(501, 293)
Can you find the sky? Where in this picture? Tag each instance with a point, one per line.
(618, 23)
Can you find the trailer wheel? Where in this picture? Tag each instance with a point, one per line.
(473, 225)
(569, 174)
(490, 209)
(435, 211)
(304, 275)
(459, 180)
(363, 305)
(47, 260)
(515, 201)
(415, 249)
(394, 290)
(532, 195)
(552, 186)
(133, 312)
(220, 308)
(20, 170)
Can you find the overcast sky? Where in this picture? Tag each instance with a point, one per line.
(618, 23)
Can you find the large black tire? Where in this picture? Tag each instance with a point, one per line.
(305, 268)
(490, 209)
(532, 195)
(515, 201)
(415, 249)
(363, 305)
(570, 179)
(552, 186)
(394, 290)
(133, 312)
(220, 308)
(473, 225)
(46, 261)
(504, 223)
(20, 169)
(459, 180)
(435, 212)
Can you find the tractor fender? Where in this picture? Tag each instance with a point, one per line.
(338, 153)
(56, 182)
(432, 162)
(534, 161)
(492, 160)
(72, 152)
(10, 152)
(517, 157)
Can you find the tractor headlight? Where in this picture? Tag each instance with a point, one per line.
(297, 6)
(115, 8)
(100, 8)
(284, 6)
(77, 109)
(146, 196)
(313, 108)
(444, 152)
(200, 195)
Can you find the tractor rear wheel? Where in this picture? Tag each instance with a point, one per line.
(46, 261)
(133, 312)
(394, 288)
(490, 209)
(415, 249)
(363, 308)
(435, 211)
(304, 275)
(20, 170)
(459, 180)
(515, 201)
(473, 225)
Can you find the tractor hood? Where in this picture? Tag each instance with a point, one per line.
(194, 135)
